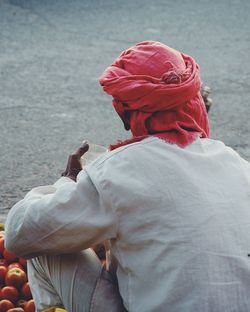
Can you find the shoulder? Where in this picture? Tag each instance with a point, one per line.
(226, 152)
(124, 151)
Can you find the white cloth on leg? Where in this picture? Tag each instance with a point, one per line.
(65, 280)
(76, 282)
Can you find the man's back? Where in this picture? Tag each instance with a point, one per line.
(183, 216)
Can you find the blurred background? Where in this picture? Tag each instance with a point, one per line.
(53, 51)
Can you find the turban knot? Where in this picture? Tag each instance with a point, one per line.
(171, 77)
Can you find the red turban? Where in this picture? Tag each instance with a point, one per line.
(156, 91)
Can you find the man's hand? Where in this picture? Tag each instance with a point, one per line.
(205, 91)
(74, 165)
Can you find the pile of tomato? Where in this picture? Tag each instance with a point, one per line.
(15, 294)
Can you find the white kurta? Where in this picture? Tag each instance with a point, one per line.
(178, 220)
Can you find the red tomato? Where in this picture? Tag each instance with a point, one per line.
(9, 293)
(3, 271)
(2, 244)
(5, 305)
(15, 277)
(3, 262)
(23, 262)
(15, 265)
(29, 306)
(10, 257)
(26, 292)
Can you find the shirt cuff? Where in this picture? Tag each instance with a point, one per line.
(61, 181)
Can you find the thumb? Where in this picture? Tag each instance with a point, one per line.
(82, 149)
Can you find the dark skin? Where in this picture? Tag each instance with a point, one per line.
(74, 165)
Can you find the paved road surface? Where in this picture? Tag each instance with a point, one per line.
(52, 53)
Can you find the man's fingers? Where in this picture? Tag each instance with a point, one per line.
(64, 173)
(74, 164)
(81, 150)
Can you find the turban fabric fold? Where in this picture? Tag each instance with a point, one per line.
(156, 91)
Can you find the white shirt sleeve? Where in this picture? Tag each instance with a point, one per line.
(62, 218)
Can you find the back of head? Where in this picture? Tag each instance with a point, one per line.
(156, 91)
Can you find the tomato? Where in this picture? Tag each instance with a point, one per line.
(29, 306)
(15, 277)
(5, 305)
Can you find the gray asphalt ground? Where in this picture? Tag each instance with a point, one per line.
(53, 51)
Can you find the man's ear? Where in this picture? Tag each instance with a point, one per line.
(125, 117)
(126, 125)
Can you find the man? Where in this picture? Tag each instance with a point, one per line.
(173, 203)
